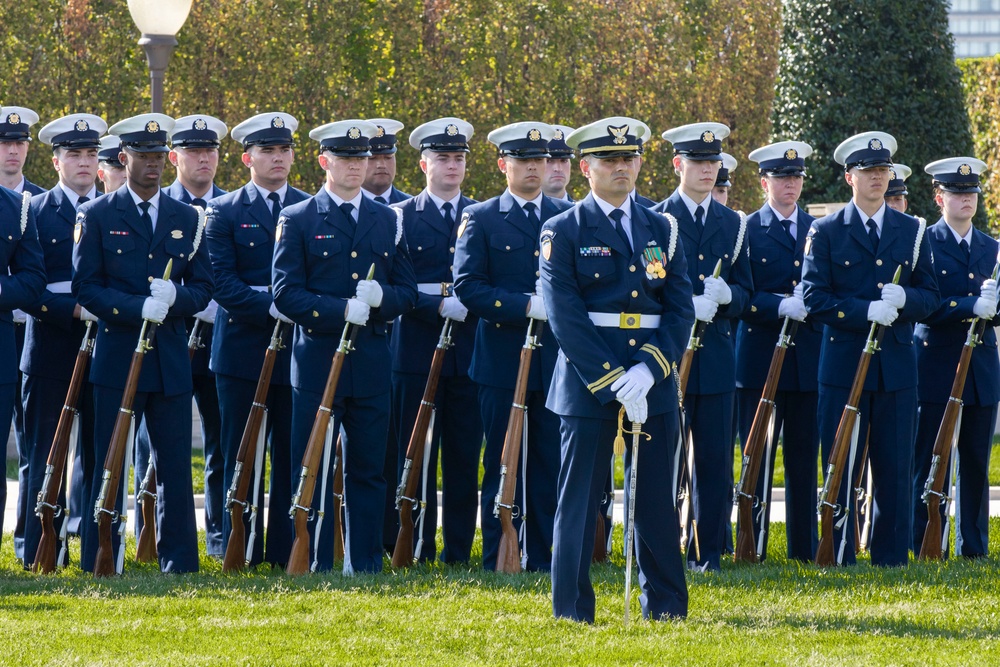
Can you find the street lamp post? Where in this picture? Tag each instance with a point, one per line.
(159, 21)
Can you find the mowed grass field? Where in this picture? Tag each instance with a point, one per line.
(776, 613)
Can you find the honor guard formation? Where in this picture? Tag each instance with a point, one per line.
(353, 340)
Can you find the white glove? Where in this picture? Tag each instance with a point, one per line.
(276, 314)
(154, 310)
(794, 308)
(536, 308)
(538, 286)
(799, 291)
(882, 313)
(718, 291)
(984, 308)
(370, 292)
(452, 309)
(208, 315)
(894, 295)
(20, 317)
(633, 385)
(989, 290)
(636, 410)
(163, 290)
(87, 316)
(705, 308)
(357, 312)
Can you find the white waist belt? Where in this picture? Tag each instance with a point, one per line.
(260, 288)
(61, 287)
(625, 320)
(436, 289)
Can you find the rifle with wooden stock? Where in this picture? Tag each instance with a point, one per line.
(509, 552)
(934, 540)
(194, 340)
(246, 457)
(694, 343)
(747, 550)
(338, 501)
(845, 440)
(406, 493)
(104, 509)
(48, 509)
(145, 546)
(301, 510)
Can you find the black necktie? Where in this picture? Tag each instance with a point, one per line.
(873, 233)
(198, 201)
(381, 200)
(964, 245)
(146, 218)
(348, 208)
(446, 213)
(699, 218)
(617, 216)
(529, 210)
(787, 224)
(275, 206)
(81, 201)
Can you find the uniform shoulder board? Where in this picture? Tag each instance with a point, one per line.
(399, 225)
(672, 244)
(740, 234)
(25, 205)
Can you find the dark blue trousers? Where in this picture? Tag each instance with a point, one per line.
(972, 503)
(538, 501)
(8, 392)
(796, 412)
(365, 422)
(235, 400)
(167, 419)
(23, 452)
(889, 419)
(587, 445)
(207, 398)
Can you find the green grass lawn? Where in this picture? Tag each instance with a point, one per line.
(774, 613)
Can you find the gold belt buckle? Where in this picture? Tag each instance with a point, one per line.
(629, 320)
(447, 289)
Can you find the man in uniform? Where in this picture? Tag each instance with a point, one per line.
(241, 234)
(964, 259)
(58, 323)
(496, 277)
(558, 167)
(325, 248)
(896, 194)
(850, 259)
(711, 233)
(194, 153)
(723, 185)
(619, 301)
(124, 242)
(110, 171)
(776, 235)
(430, 225)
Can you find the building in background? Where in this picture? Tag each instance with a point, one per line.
(976, 27)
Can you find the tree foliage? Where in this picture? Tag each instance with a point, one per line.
(981, 81)
(666, 62)
(850, 66)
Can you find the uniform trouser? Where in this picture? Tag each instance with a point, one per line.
(23, 452)
(78, 484)
(458, 439)
(365, 421)
(889, 418)
(972, 503)
(709, 420)
(235, 401)
(586, 458)
(537, 502)
(796, 412)
(390, 518)
(8, 392)
(167, 420)
(43, 405)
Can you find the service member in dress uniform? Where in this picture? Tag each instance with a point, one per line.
(324, 250)
(58, 323)
(430, 226)
(850, 259)
(194, 152)
(496, 277)
(723, 185)
(777, 235)
(241, 234)
(559, 165)
(15, 137)
(110, 171)
(896, 194)
(619, 302)
(124, 241)
(710, 232)
(964, 259)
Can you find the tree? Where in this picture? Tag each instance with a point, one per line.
(850, 66)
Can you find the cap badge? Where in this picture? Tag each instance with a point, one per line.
(618, 133)
(82, 126)
(875, 145)
(892, 175)
(451, 130)
(278, 122)
(791, 154)
(200, 124)
(558, 135)
(708, 136)
(14, 119)
(152, 126)
(379, 131)
(354, 133)
(965, 170)
(534, 135)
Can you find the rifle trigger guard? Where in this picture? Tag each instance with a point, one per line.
(310, 514)
(114, 514)
(515, 511)
(57, 510)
